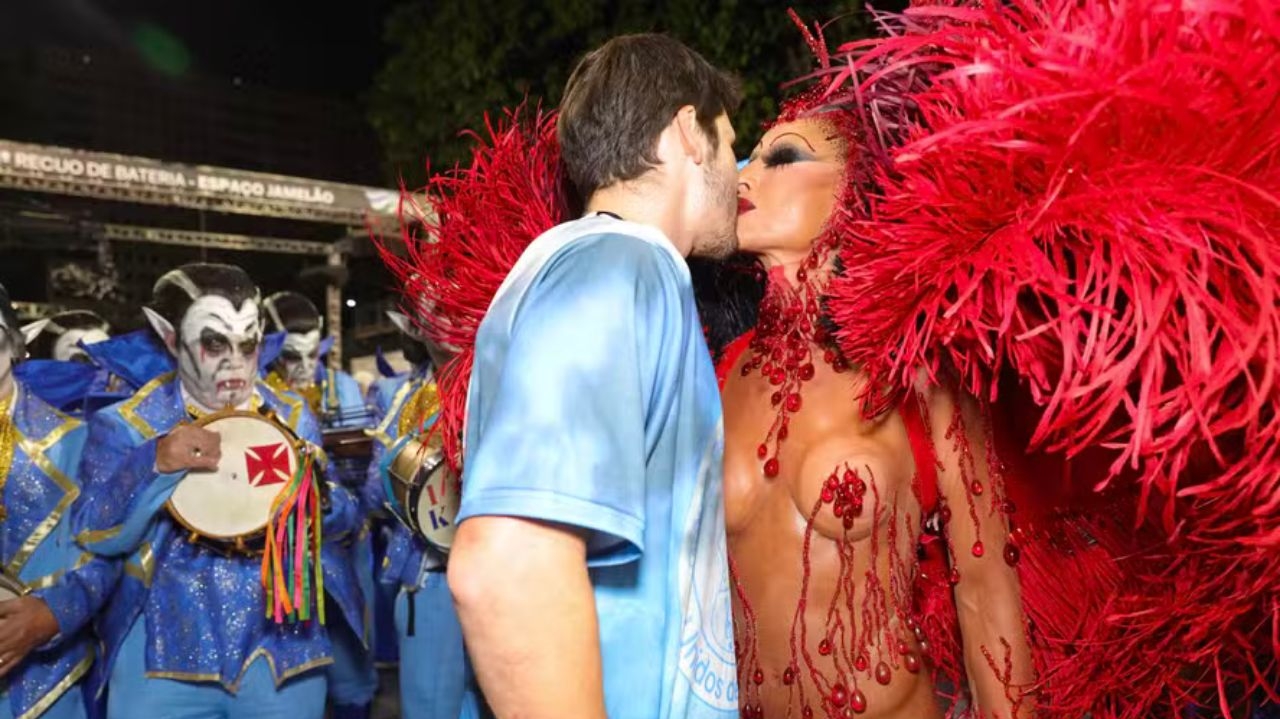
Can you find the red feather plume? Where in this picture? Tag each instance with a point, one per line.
(1090, 201)
(459, 249)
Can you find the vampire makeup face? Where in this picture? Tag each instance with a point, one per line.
(217, 348)
(299, 358)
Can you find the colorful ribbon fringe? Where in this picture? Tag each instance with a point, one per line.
(291, 572)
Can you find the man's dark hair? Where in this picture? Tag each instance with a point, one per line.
(176, 290)
(622, 95)
(42, 346)
(291, 312)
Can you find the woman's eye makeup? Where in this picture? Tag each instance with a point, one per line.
(780, 155)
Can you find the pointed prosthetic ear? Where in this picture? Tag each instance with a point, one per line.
(400, 321)
(32, 330)
(164, 329)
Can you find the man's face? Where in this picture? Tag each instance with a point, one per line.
(67, 347)
(718, 236)
(299, 358)
(217, 349)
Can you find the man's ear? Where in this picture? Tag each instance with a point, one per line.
(163, 328)
(694, 142)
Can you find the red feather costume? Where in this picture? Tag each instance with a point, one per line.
(1082, 226)
(1090, 203)
(460, 245)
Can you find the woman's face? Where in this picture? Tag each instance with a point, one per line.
(789, 188)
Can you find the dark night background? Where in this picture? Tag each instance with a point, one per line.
(356, 92)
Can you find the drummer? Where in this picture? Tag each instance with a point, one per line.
(61, 370)
(434, 672)
(39, 452)
(186, 631)
(334, 395)
(338, 403)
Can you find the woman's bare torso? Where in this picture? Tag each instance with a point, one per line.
(825, 627)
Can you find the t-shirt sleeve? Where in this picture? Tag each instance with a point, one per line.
(563, 438)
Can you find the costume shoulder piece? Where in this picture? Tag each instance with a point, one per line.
(461, 240)
(1088, 200)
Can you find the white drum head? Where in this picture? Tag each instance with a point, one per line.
(438, 502)
(258, 460)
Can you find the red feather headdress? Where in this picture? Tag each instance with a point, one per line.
(1089, 200)
(460, 246)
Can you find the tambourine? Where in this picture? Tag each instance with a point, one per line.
(229, 507)
(422, 491)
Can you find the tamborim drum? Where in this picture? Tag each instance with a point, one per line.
(421, 489)
(231, 505)
(10, 588)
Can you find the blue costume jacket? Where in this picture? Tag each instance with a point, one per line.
(37, 547)
(205, 612)
(408, 555)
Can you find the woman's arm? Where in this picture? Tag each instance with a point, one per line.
(997, 654)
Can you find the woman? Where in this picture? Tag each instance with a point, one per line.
(826, 508)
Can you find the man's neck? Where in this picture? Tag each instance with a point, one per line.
(645, 204)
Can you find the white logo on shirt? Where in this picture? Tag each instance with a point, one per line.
(706, 640)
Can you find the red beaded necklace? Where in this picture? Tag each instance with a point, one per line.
(782, 349)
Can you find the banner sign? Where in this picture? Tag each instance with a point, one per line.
(62, 170)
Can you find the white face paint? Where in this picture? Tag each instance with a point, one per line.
(217, 350)
(67, 347)
(299, 357)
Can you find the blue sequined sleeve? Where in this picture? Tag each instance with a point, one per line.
(85, 582)
(79, 594)
(123, 492)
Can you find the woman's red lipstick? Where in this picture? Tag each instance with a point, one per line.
(745, 205)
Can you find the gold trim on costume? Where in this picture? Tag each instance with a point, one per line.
(53, 695)
(380, 432)
(129, 407)
(50, 580)
(92, 536)
(234, 686)
(294, 405)
(145, 569)
(424, 403)
(35, 451)
(9, 440)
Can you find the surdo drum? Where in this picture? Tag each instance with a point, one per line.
(230, 506)
(422, 491)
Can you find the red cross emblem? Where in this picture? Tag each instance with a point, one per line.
(267, 464)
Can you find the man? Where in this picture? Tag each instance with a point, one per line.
(334, 395)
(62, 370)
(337, 401)
(63, 335)
(434, 674)
(589, 566)
(45, 647)
(186, 632)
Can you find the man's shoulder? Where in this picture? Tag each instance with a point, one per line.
(604, 262)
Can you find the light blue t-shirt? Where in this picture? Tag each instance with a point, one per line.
(593, 403)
